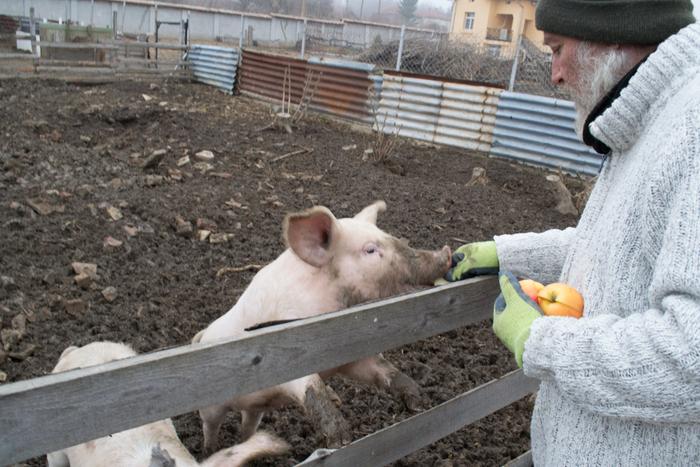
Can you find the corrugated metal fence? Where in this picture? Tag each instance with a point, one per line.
(522, 127)
(336, 87)
(214, 65)
(438, 111)
(540, 131)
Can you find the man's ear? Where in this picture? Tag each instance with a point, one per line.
(369, 214)
(310, 235)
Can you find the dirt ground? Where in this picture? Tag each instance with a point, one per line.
(74, 189)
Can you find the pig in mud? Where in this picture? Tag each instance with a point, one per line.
(152, 445)
(331, 264)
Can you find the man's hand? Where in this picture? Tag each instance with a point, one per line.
(473, 259)
(513, 314)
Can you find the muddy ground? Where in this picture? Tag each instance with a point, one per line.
(74, 189)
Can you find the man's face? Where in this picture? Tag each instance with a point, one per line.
(565, 66)
(587, 71)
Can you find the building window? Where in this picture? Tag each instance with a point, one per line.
(469, 21)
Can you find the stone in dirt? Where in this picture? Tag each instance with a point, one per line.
(220, 237)
(22, 354)
(83, 281)
(109, 293)
(204, 156)
(154, 180)
(183, 227)
(89, 269)
(205, 224)
(114, 213)
(44, 208)
(19, 323)
(75, 307)
(111, 243)
(202, 235)
(154, 159)
(10, 338)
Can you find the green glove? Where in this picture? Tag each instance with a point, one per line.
(513, 314)
(473, 259)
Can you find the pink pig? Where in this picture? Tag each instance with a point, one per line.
(155, 444)
(331, 264)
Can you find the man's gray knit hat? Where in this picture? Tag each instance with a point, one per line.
(643, 22)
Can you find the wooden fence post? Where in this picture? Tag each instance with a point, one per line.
(32, 30)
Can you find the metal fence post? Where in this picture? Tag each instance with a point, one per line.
(398, 55)
(32, 30)
(303, 39)
(123, 14)
(240, 36)
(514, 69)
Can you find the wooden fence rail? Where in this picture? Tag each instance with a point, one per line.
(55, 411)
(398, 440)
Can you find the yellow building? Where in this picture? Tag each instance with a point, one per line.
(495, 23)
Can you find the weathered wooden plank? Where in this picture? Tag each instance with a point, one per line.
(71, 63)
(407, 436)
(55, 411)
(14, 56)
(104, 70)
(73, 45)
(108, 45)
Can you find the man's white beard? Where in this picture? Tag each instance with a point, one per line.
(598, 72)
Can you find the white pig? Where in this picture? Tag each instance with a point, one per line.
(153, 445)
(331, 264)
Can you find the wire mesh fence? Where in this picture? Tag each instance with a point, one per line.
(515, 65)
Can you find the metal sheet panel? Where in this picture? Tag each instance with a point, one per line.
(540, 130)
(337, 87)
(214, 65)
(442, 112)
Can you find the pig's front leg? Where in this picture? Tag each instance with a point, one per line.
(57, 459)
(212, 418)
(379, 372)
(319, 403)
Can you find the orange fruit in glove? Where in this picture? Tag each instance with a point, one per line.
(531, 288)
(560, 299)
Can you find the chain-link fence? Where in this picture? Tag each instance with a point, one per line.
(433, 54)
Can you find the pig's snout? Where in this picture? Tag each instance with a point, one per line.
(431, 265)
(446, 255)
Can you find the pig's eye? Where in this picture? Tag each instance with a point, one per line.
(371, 249)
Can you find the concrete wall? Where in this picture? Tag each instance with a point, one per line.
(138, 16)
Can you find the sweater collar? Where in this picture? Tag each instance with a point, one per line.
(602, 106)
(621, 122)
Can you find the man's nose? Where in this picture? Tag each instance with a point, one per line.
(557, 75)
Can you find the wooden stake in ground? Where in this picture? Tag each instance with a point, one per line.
(478, 177)
(565, 204)
(290, 154)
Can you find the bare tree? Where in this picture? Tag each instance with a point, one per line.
(407, 8)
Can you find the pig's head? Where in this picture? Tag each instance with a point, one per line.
(362, 261)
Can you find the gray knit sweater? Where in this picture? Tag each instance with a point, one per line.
(621, 386)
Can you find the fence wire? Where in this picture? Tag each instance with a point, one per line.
(435, 55)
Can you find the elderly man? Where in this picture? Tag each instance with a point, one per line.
(620, 386)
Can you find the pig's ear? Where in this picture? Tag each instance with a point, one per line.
(310, 235)
(369, 214)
